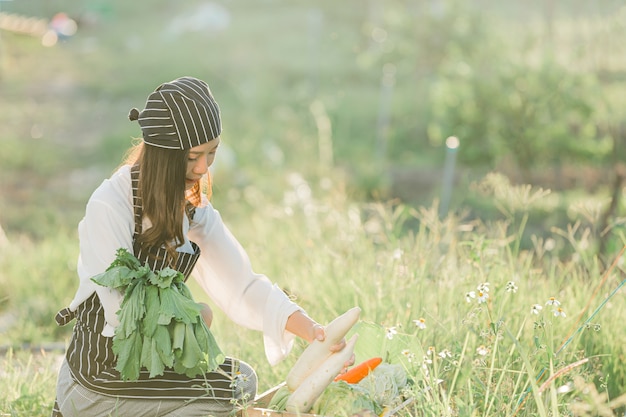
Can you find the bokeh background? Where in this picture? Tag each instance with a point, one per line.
(369, 90)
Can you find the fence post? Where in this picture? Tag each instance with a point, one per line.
(452, 144)
(387, 83)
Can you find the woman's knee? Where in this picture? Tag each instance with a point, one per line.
(247, 382)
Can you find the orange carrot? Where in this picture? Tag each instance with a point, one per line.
(360, 371)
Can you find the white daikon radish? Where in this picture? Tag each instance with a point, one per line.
(303, 398)
(317, 351)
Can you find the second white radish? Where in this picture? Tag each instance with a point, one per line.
(317, 351)
(303, 398)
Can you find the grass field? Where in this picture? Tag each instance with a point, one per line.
(332, 257)
(303, 215)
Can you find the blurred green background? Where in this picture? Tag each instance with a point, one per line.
(367, 91)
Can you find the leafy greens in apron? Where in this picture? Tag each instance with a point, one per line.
(160, 323)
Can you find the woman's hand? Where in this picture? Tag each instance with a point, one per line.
(308, 329)
(319, 333)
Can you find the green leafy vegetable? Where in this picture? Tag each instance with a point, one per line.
(152, 304)
(175, 305)
(132, 310)
(279, 399)
(342, 399)
(160, 323)
(128, 353)
(164, 278)
(164, 347)
(116, 277)
(385, 384)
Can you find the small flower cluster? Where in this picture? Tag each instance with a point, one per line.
(483, 350)
(556, 308)
(390, 332)
(511, 286)
(428, 358)
(481, 294)
(420, 323)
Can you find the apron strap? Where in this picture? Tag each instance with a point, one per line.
(65, 316)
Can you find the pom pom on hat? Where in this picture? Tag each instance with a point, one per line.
(179, 114)
(133, 114)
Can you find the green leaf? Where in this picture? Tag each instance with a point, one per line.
(165, 277)
(116, 277)
(177, 306)
(124, 258)
(156, 366)
(146, 360)
(343, 399)
(153, 307)
(184, 290)
(192, 355)
(279, 399)
(128, 353)
(208, 344)
(164, 345)
(132, 311)
(177, 334)
(373, 341)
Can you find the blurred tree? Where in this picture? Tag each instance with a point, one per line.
(461, 77)
(536, 116)
(419, 39)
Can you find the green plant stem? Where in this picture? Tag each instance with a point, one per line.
(504, 369)
(460, 362)
(520, 233)
(470, 394)
(553, 396)
(491, 370)
(531, 379)
(582, 326)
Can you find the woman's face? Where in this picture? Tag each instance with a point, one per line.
(199, 160)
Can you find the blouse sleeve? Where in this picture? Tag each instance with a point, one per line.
(106, 227)
(249, 299)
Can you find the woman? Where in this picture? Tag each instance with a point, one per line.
(154, 207)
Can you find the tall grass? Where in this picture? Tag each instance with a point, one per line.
(481, 352)
(35, 279)
(27, 383)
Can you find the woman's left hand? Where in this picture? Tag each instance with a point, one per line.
(319, 333)
(308, 329)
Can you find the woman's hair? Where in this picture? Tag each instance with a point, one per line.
(162, 192)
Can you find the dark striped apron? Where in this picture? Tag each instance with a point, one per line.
(91, 358)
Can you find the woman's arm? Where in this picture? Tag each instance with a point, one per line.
(107, 226)
(224, 272)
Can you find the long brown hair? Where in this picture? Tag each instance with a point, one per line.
(162, 192)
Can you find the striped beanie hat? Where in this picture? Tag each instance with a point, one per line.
(179, 114)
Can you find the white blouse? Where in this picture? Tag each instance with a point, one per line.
(223, 270)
